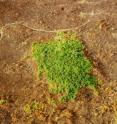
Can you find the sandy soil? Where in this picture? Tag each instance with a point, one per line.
(23, 22)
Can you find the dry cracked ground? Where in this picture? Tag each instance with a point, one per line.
(23, 22)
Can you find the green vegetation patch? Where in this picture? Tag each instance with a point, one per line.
(65, 65)
(3, 102)
(33, 106)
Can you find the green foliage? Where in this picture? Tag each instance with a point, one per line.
(65, 65)
(27, 109)
(3, 102)
(32, 107)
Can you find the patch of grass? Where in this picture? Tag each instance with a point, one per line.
(32, 107)
(3, 102)
(52, 102)
(27, 109)
(65, 65)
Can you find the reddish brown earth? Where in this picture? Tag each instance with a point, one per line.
(21, 24)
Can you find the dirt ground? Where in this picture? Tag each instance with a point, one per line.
(23, 22)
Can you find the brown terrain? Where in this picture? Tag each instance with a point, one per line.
(23, 22)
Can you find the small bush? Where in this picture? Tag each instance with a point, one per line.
(3, 102)
(65, 65)
(32, 107)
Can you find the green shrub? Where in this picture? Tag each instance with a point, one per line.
(65, 65)
(3, 102)
(32, 107)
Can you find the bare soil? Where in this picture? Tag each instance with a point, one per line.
(22, 23)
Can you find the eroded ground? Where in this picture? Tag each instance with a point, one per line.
(25, 22)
